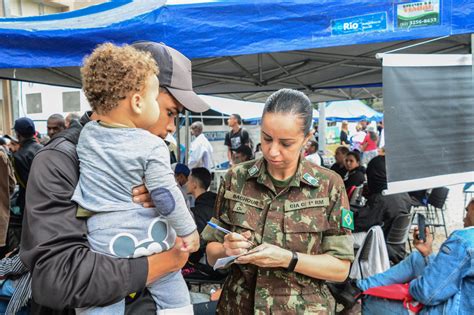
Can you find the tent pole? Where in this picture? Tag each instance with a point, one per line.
(186, 137)
(322, 127)
(178, 138)
(6, 8)
(472, 56)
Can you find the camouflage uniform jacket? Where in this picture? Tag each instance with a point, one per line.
(304, 217)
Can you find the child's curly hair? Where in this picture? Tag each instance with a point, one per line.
(111, 73)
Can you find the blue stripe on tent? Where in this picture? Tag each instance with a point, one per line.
(224, 28)
(71, 14)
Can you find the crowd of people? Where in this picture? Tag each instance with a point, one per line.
(105, 220)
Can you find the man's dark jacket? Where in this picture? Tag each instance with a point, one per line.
(65, 272)
(203, 211)
(22, 160)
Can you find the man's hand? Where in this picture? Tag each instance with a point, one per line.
(163, 263)
(191, 242)
(141, 196)
(425, 248)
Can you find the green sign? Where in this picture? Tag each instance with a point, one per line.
(418, 14)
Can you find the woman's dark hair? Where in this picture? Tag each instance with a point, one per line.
(287, 101)
(355, 154)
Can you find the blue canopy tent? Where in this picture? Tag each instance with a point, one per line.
(351, 111)
(241, 48)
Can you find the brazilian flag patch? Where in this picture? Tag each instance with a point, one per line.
(347, 218)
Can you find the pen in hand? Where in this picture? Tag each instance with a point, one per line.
(217, 227)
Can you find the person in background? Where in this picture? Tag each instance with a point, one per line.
(55, 124)
(311, 152)
(23, 158)
(355, 175)
(70, 117)
(344, 136)
(316, 132)
(380, 127)
(357, 139)
(382, 209)
(181, 174)
(340, 156)
(200, 153)
(236, 137)
(381, 131)
(369, 146)
(242, 154)
(4, 145)
(13, 144)
(258, 151)
(198, 183)
(7, 186)
(442, 282)
(363, 124)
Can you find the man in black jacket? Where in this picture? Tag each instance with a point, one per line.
(23, 158)
(203, 210)
(66, 274)
(382, 209)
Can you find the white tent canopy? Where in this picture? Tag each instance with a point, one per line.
(251, 112)
(353, 110)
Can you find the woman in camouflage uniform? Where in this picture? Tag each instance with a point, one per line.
(289, 218)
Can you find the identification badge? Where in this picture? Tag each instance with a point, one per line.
(310, 203)
(243, 199)
(347, 218)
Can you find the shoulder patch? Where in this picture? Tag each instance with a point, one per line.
(310, 179)
(253, 170)
(347, 218)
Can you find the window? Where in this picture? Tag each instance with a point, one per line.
(33, 103)
(71, 102)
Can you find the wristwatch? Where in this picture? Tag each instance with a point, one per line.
(293, 262)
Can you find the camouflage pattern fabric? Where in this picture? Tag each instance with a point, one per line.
(304, 217)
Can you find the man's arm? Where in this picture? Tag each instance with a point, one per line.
(65, 272)
(441, 278)
(228, 144)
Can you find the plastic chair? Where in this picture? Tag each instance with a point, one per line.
(436, 203)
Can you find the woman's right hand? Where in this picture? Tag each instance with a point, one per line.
(237, 244)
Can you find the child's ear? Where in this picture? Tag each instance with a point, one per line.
(136, 104)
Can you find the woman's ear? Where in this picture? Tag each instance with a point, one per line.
(136, 104)
(307, 138)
